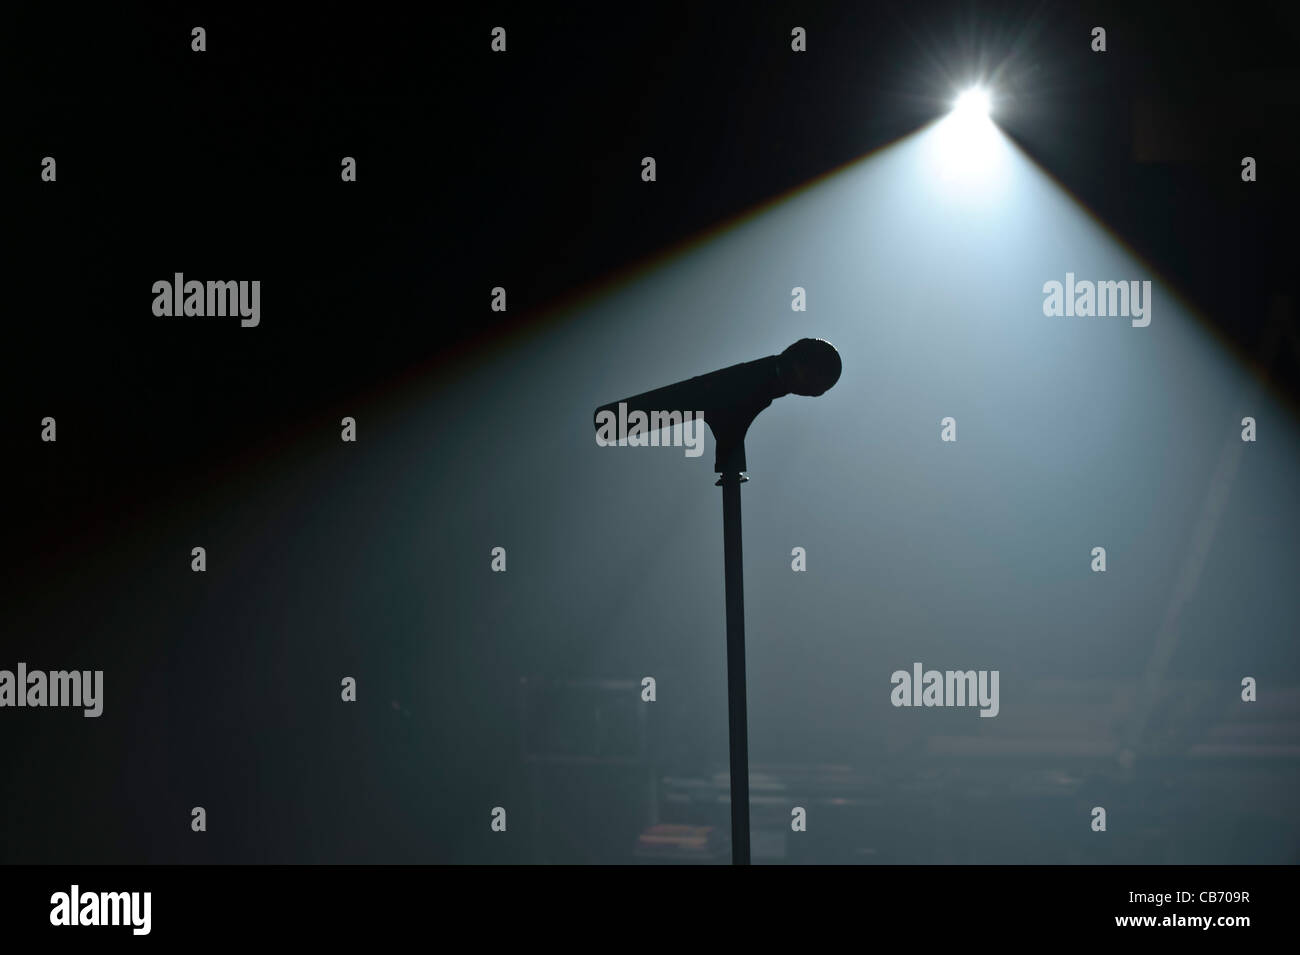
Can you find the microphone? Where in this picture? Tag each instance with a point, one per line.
(808, 367)
(730, 399)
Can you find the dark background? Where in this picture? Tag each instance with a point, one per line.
(475, 170)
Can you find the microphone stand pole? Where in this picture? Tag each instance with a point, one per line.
(737, 727)
(729, 434)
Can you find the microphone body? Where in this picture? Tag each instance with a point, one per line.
(748, 382)
(730, 398)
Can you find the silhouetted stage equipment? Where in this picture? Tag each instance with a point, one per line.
(731, 398)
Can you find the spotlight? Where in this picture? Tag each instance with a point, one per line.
(967, 144)
(973, 104)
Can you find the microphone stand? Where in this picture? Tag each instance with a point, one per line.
(729, 428)
(808, 367)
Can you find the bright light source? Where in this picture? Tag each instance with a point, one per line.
(973, 104)
(968, 147)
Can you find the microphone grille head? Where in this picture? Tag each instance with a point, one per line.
(810, 367)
